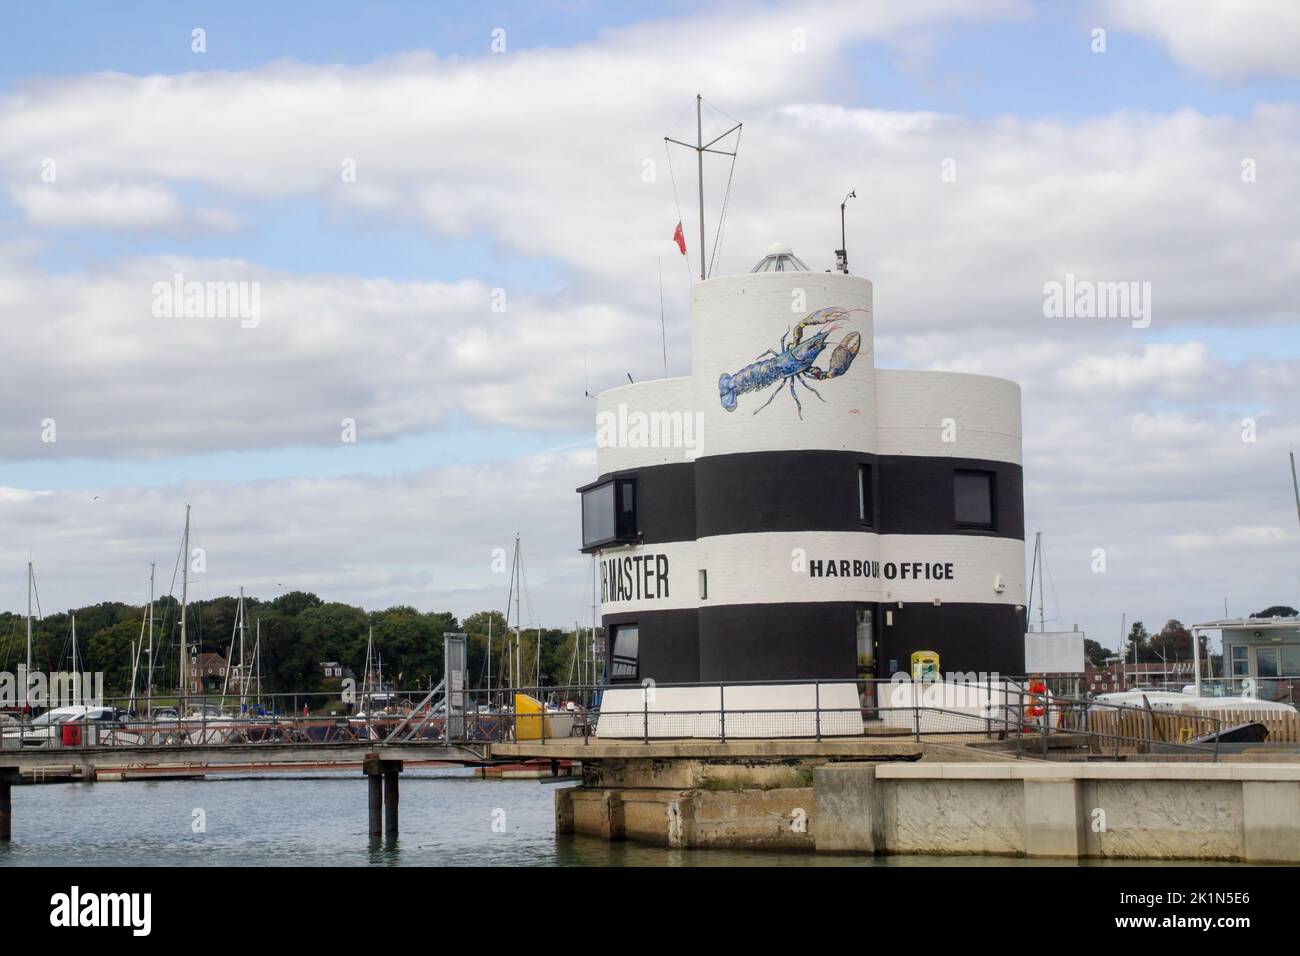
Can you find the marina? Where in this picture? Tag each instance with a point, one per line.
(448, 449)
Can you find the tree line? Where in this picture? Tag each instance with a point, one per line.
(299, 631)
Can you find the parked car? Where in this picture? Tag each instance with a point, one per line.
(46, 731)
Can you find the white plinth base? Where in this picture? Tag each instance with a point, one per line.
(750, 711)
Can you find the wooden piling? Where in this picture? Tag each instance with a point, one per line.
(382, 777)
(390, 802)
(8, 777)
(376, 804)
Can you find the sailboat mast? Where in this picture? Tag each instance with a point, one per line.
(149, 662)
(27, 677)
(1295, 486)
(1036, 571)
(257, 659)
(185, 590)
(519, 585)
(366, 679)
(76, 679)
(243, 672)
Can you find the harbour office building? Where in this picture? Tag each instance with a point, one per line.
(789, 512)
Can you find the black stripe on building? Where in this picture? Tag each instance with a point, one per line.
(817, 640)
(781, 491)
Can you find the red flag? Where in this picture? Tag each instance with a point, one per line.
(679, 237)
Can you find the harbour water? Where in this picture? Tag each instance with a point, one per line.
(448, 818)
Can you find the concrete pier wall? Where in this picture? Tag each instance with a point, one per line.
(1242, 812)
(1124, 810)
(757, 819)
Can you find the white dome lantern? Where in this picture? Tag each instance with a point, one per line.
(780, 258)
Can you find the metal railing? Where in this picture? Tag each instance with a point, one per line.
(1006, 710)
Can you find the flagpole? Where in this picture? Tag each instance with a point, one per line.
(701, 148)
(699, 153)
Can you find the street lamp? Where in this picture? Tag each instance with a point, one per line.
(841, 255)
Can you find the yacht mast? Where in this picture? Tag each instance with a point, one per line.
(185, 586)
(243, 673)
(257, 659)
(75, 675)
(27, 677)
(519, 586)
(149, 660)
(1295, 486)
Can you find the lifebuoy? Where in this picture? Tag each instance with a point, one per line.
(1034, 700)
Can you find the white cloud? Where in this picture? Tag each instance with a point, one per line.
(124, 207)
(1226, 38)
(398, 358)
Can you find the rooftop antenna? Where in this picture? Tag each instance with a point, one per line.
(701, 148)
(841, 254)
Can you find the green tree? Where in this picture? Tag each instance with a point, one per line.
(1138, 636)
(111, 651)
(1094, 653)
(1277, 610)
(1173, 643)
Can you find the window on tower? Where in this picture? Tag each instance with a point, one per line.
(974, 501)
(624, 660)
(609, 513)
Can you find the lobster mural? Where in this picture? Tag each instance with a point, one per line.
(795, 362)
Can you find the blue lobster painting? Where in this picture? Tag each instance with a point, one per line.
(795, 362)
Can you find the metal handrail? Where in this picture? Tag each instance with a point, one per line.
(1007, 718)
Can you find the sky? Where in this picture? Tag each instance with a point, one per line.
(455, 216)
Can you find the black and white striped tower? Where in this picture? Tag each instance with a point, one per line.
(791, 512)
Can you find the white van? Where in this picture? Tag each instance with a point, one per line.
(46, 731)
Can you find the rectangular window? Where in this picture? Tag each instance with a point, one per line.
(704, 584)
(1291, 660)
(609, 513)
(864, 495)
(1266, 662)
(973, 499)
(623, 657)
(1240, 661)
(866, 643)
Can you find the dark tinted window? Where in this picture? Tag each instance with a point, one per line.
(973, 502)
(609, 513)
(623, 657)
(626, 510)
(598, 514)
(864, 494)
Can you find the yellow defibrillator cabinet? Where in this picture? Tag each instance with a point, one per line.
(925, 666)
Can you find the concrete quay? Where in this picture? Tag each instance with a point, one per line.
(1247, 812)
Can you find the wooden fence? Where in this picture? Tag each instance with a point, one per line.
(1173, 727)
